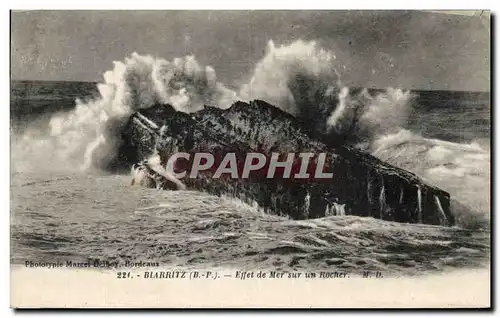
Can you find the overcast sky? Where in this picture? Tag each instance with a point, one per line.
(416, 50)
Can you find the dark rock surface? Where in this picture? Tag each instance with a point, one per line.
(362, 185)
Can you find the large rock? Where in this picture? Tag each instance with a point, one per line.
(361, 185)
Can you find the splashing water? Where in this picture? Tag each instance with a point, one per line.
(462, 169)
(297, 78)
(419, 198)
(443, 220)
(89, 136)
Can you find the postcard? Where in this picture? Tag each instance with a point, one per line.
(250, 159)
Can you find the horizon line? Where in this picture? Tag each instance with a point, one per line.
(353, 87)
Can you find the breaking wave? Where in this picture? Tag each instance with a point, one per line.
(300, 78)
(462, 169)
(89, 136)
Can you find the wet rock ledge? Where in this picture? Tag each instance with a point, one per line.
(362, 185)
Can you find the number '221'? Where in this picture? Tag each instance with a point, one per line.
(123, 275)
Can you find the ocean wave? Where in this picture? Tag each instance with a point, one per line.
(299, 78)
(88, 137)
(462, 169)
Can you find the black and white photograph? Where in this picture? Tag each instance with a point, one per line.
(293, 148)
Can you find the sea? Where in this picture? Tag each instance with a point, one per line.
(65, 208)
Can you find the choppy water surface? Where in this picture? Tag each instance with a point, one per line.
(75, 217)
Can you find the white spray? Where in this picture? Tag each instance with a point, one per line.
(443, 219)
(419, 198)
(89, 136)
